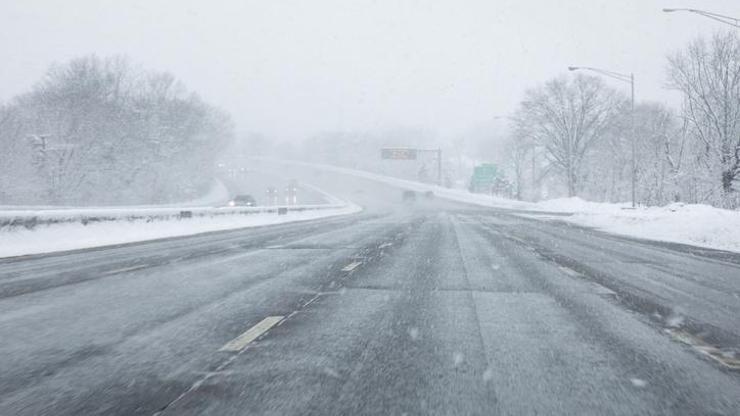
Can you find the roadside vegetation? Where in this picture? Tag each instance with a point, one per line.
(97, 131)
(572, 135)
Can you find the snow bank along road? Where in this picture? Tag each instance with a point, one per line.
(72, 231)
(45, 229)
(430, 308)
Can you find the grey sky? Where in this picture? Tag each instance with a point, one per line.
(292, 68)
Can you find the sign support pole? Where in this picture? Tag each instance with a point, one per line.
(439, 167)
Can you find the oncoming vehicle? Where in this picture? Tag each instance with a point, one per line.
(408, 196)
(243, 201)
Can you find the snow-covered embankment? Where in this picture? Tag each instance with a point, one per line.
(42, 231)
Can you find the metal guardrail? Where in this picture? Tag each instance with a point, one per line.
(31, 219)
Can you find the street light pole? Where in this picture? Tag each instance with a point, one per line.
(630, 79)
(728, 20)
(634, 145)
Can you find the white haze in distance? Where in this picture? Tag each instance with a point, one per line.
(293, 68)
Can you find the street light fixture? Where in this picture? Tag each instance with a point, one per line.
(630, 79)
(732, 21)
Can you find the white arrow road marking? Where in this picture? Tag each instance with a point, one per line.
(238, 343)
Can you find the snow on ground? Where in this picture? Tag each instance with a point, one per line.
(576, 204)
(71, 236)
(692, 224)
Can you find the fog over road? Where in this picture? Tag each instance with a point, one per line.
(256, 183)
(430, 307)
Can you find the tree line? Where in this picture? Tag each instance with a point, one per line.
(101, 131)
(573, 135)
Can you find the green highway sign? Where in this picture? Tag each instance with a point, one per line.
(485, 172)
(398, 153)
(484, 176)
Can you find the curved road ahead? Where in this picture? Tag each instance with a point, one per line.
(425, 308)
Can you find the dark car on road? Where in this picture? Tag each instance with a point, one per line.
(243, 201)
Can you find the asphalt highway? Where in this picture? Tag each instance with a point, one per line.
(417, 308)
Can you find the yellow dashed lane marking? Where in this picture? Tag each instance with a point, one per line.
(238, 343)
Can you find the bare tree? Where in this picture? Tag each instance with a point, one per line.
(659, 154)
(566, 117)
(110, 133)
(15, 158)
(517, 148)
(708, 75)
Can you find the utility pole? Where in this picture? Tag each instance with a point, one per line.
(634, 145)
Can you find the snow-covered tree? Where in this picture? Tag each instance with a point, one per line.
(707, 73)
(100, 131)
(566, 117)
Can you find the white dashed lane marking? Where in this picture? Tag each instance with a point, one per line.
(126, 269)
(238, 343)
(351, 266)
(597, 288)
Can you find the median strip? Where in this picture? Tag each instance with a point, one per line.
(240, 342)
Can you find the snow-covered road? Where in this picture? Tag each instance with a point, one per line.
(433, 307)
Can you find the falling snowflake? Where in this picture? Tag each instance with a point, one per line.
(637, 382)
(457, 358)
(487, 375)
(414, 333)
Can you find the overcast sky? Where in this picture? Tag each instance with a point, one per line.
(293, 68)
